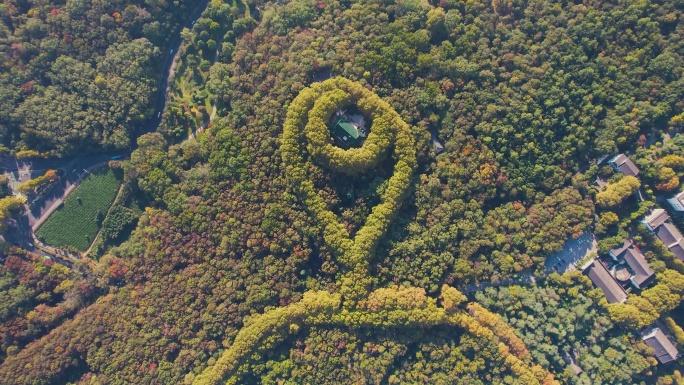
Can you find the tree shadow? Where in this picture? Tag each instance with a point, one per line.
(54, 192)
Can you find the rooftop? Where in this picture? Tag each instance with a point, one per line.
(349, 129)
(616, 252)
(656, 218)
(637, 262)
(570, 361)
(678, 249)
(575, 368)
(601, 277)
(347, 132)
(438, 147)
(625, 165)
(668, 233)
(641, 272)
(665, 351)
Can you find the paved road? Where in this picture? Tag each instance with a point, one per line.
(50, 201)
(74, 168)
(39, 166)
(163, 89)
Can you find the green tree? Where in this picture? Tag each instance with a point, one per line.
(617, 192)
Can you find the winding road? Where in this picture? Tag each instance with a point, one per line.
(11, 164)
(75, 168)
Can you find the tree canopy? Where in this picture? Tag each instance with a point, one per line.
(268, 255)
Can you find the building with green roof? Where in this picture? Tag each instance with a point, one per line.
(346, 134)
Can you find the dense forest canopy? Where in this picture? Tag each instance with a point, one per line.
(81, 75)
(524, 95)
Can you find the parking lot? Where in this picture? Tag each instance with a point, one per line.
(573, 251)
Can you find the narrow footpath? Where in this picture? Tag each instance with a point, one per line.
(524, 279)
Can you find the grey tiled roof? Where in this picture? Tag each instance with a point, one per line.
(600, 276)
(665, 351)
(625, 165)
(668, 233)
(637, 262)
(678, 249)
(656, 218)
(621, 249)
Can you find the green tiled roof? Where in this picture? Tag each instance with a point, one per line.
(348, 128)
(346, 135)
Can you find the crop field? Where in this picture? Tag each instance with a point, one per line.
(75, 224)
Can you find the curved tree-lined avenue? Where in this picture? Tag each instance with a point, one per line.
(379, 192)
(306, 138)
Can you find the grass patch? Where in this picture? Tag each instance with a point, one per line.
(120, 222)
(76, 223)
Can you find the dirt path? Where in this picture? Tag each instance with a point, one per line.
(169, 70)
(206, 124)
(170, 76)
(524, 279)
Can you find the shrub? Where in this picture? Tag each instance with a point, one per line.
(8, 206)
(617, 192)
(32, 185)
(306, 133)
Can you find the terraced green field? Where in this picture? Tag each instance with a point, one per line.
(75, 224)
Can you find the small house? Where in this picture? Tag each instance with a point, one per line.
(436, 144)
(664, 350)
(659, 223)
(570, 361)
(348, 129)
(346, 135)
(677, 202)
(639, 272)
(621, 163)
(602, 278)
